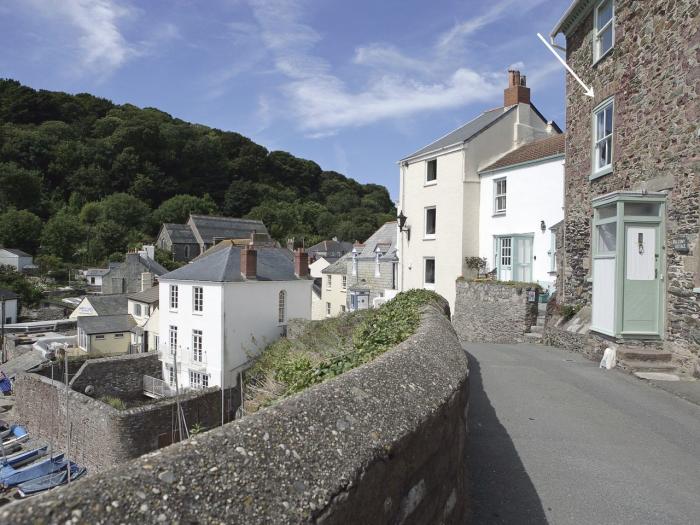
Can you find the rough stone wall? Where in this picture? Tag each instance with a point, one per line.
(653, 74)
(130, 271)
(365, 277)
(492, 312)
(297, 327)
(121, 376)
(383, 443)
(102, 436)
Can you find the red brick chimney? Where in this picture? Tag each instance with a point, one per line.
(249, 262)
(301, 263)
(516, 92)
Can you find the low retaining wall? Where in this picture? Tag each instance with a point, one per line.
(101, 435)
(383, 443)
(492, 312)
(120, 376)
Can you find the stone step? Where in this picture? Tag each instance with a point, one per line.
(646, 366)
(643, 354)
(536, 329)
(533, 337)
(540, 321)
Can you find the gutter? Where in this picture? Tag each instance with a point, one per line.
(524, 163)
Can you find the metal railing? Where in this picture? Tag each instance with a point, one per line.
(154, 387)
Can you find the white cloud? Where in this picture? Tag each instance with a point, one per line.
(389, 84)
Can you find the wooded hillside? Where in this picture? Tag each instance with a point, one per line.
(74, 167)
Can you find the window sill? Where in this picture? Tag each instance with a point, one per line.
(600, 173)
(499, 214)
(198, 313)
(430, 183)
(429, 237)
(602, 57)
(429, 286)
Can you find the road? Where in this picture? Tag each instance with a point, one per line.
(554, 439)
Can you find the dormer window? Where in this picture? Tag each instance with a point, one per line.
(431, 172)
(604, 37)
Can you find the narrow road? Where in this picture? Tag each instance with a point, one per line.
(554, 439)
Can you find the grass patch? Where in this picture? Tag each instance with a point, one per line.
(330, 347)
(114, 402)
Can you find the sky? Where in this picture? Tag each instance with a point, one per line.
(353, 85)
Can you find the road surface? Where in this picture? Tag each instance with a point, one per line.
(554, 439)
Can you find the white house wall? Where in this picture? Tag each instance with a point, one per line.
(10, 311)
(316, 267)
(534, 193)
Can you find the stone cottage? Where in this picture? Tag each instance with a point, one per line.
(629, 247)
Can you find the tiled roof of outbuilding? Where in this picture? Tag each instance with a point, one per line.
(106, 324)
(180, 233)
(211, 228)
(540, 149)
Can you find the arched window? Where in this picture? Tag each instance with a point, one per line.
(282, 307)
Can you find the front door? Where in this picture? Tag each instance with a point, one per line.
(522, 263)
(642, 280)
(504, 258)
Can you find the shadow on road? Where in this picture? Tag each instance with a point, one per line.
(501, 490)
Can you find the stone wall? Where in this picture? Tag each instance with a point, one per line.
(120, 376)
(492, 312)
(383, 443)
(366, 278)
(654, 77)
(102, 436)
(297, 327)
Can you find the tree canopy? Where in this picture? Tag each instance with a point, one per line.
(100, 177)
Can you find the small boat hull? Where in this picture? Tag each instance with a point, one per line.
(22, 458)
(11, 477)
(51, 480)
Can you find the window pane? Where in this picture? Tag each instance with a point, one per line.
(605, 40)
(642, 209)
(430, 271)
(430, 221)
(604, 13)
(608, 112)
(607, 237)
(606, 212)
(599, 127)
(432, 170)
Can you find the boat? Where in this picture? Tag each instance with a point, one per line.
(18, 434)
(9, 449)
(22, 458)
(11, 477)
(50, 481)
(5, 429)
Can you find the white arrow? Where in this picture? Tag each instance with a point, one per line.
(589, 90)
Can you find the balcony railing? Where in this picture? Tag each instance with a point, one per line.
(195, 359)
(154, 387)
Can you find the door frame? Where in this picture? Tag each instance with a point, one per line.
(513, 252)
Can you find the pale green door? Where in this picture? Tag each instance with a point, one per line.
(641, 284)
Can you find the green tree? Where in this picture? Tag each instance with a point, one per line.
(20, 229)
(62, 236)
(19, 188)
(177, 209)
(125, 209)
(29, 293)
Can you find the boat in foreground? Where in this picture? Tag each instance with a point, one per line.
(51, 480)
(10, 477)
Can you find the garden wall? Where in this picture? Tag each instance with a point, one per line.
(492, 312)
(383, 443)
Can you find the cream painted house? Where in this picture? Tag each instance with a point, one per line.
(334, 288)
(143, 307)
(105, 334)
(440, 190)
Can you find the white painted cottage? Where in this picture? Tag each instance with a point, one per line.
(218, 312)
(9, 306)
(522, 197)
(440, 193)
(16, 258)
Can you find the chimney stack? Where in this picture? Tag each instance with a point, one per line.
(249, 262)
(517, 90)
(301, 263)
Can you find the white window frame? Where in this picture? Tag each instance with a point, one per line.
(328, 309)
(198, 380)
(329, 282)
(172, 338)
(430, 182)
(174, 299)
(171, 374)
(344, 282)
(342, 308)
(598, 31)
(197, 346)
(197, 299)
(137, 309)
(498, 194)
(427, 235)
(608, 168)
(426, 284)
(282, 307)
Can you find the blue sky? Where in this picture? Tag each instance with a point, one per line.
(353, 85)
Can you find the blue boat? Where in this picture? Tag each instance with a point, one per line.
(51, 480)
(22, 458)
(11, 477)
(16, 434)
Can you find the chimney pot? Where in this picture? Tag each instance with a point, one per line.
(301, 263)
(517, 92)
(249, 262)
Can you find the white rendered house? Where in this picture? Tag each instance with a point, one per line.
(440, 190)
(9, 306)
(218, 312)
(522, 196)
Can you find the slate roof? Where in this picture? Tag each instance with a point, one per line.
(465, 132)
(23, 363)
(210, 227)
(330, 246)
(7, 294)
(385, 238)
(340, 266)
(180, 233)
(222, 263)
(153, 266)
(148, 296)
(106, 324)
(93, 272)
(108, 304)
(16, 251)
(540, 149)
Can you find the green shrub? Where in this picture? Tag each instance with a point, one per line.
(567, 311)
(114, 402)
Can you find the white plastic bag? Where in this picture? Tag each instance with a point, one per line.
(609, 359)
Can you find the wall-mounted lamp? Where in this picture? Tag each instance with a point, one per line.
(402, 225)
(543, 226)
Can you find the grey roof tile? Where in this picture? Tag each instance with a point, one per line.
(180, 233)
(106, 324)
(385, 238)
(109, 304)
(149, 295)
(211, 227)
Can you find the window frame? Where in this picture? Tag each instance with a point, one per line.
(137, 309)
(597, 55)
(197, 290)
(328, 309)
(426, 210)
(174, 298)
(172, 341)
(426, 284)
(344, 283)
(282, 307)
(197, 339)
(329, 282)
(497, 195)
(608, 168)
(426, 180)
